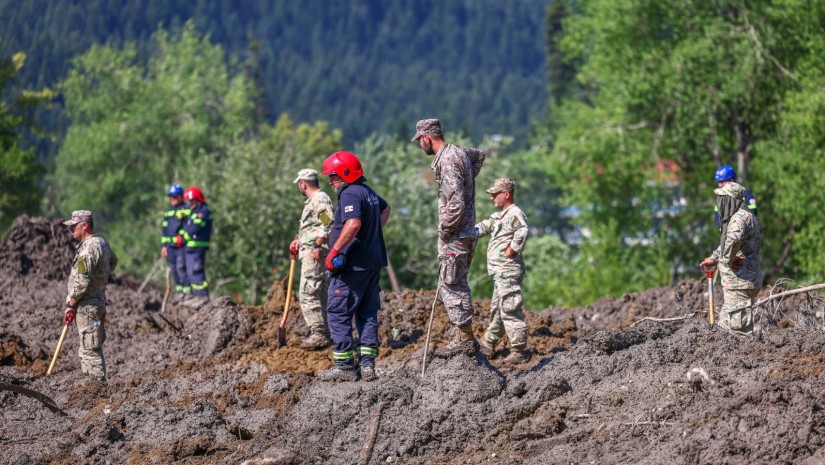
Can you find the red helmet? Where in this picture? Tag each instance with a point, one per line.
(195, 193)
(345, 165)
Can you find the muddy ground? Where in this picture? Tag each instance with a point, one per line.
(211, 386)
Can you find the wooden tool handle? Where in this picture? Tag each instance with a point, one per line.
(59, 346)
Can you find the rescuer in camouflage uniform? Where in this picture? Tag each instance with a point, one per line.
(508, 230)
(86, 300)
(455, 170)
(311, 246)
(737, 257)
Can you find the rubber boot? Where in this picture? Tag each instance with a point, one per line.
(464, 342)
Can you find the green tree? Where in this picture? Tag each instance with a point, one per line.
(135, 129)
(187, 116)
(257, 206)
(19, 170)
(676, 89)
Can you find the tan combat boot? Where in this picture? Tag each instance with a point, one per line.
(315, 341)
(516, 356)
(487, 346)
(464, 342)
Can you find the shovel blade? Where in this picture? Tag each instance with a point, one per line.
(281, 336)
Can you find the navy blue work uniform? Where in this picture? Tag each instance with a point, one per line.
(354, 292)
(196, 234)
(750, 202)
(173, 220)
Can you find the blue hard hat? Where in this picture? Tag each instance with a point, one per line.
(175, 190)
(725, 173)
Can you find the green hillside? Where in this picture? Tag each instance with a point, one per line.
(363, 66)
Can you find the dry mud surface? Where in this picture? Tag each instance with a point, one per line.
(210, 386)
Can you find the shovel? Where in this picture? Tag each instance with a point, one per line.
(710, 271)
(282, 326)
(59, 346)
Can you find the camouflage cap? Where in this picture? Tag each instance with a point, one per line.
(732, 189)
(430, 126)
(307, 174)
(502, 185)
(79, 216)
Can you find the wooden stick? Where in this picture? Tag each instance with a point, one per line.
(678, 318)
(791, 292)
(168, 288)
(151, 273)
(59, 346)
(372, 434)
(429, 330)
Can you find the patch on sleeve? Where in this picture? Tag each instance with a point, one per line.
(324, 217)
(348, 208)
(81, 265)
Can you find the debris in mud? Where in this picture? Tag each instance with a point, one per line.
(211, 385)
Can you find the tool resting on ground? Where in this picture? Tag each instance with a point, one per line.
(282, 326)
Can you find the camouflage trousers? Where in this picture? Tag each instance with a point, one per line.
(507, 311)
(312, 293)
(454, 258)
(737, 311)
(91, 327)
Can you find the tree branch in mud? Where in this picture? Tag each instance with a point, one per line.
(372, 434)
(789, 293)
(678, 318)
(43, 398)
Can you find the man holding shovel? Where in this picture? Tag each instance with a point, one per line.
(86, 299)
(310, 245)
(737, 257)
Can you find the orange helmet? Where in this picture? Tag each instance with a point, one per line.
(344, 164)
(194, 192)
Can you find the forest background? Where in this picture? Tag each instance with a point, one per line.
(610, 115)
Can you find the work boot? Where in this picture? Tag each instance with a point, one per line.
(515, 357)
(368, 373)
(338, 374)
(487, 346)
(179, 297)
(196, 301)
(315, 341)
(464, 342)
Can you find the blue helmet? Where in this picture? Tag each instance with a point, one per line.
(725, 173)
(175, 190)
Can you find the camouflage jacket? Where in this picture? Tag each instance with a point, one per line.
(316, 221)
(743, 239)
(506, 228)
(92, 265)
(455, 170)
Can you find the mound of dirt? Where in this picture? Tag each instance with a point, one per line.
(37, 246)
(211, 385)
